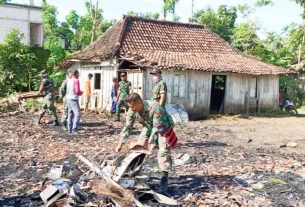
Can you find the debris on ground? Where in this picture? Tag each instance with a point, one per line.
(210, 167)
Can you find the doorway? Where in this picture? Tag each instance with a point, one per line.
(218, 90)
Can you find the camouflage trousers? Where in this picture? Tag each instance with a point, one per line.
(48, 106)
(164, 149)
(64, 116)
(121, 103)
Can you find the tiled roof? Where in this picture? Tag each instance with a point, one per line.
(171, 45)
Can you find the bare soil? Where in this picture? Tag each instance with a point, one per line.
(233, 161)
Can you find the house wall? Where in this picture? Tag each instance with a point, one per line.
(101, 97)
(192, 89)
(21, 18)
(248, 94)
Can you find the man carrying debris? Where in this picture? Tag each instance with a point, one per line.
(47, 89)
(124, 89)
(158, 130)
(160, 89)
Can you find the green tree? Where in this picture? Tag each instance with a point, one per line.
(148, 15)
(4, 1)
(245, 38)
(16, 65)
(53, 39)
(169, 6)
(221, 22)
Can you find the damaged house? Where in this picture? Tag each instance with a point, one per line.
(203, 72)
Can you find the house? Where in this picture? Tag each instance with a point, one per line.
(203, 72)
(26, 18)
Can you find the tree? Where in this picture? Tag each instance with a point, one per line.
(221, 22)
(262, 3)
(53, 38)
(148, 15)
(4, 1)
(169, 6)
(244, 37)
(16, 65)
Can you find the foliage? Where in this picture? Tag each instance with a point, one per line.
(262, 3)
(169, 6)
(148, 15)
(32, 104)
(58, 77)
(3, 1)
(16, 65)
(221, 21)
(53, 40)
(290, 88)
(245, 38)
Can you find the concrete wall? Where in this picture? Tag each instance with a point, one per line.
(19, 17)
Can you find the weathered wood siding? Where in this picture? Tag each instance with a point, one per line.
(268, 93)
(248, 94)
(136, 79)
(101, 98)
(192, 89)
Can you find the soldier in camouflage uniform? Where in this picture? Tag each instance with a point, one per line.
(47, 89)
(159, 92)
(157, 131)
(124, 89)
(62, 93)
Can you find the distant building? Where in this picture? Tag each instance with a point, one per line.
(26, 18)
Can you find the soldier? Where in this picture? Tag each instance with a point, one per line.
(47, 89)
(124, 89)
(157, 131)
(62, 93)
(159, 92)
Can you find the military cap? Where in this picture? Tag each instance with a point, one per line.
(156, 70)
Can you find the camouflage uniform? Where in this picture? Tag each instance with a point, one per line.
(159, 88)
(47, 89)
(62, 92)
(156, 123)
(124, 87)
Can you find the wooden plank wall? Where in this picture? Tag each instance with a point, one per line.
(240, 99)
(268, 93)
(195, 92)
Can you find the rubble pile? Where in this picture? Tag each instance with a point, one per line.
(114, 182)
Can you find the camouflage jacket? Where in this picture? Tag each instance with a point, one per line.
(47, 88)
(153, 117)
(124, 88)
(63, 89)
(159, 88)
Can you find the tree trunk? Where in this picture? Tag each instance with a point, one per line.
(94, 20)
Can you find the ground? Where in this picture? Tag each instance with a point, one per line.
(220, 161)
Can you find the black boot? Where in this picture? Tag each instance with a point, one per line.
(164, 182)
(56, 123)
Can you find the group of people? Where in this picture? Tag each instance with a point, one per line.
(70, 93)
(157, 123)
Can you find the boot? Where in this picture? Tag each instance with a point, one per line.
(39, 118)
(117, 118)
(164, 182)
(56, 123)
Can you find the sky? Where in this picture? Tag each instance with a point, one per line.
(270, 19)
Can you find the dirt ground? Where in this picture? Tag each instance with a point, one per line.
(221, 161)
